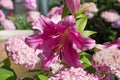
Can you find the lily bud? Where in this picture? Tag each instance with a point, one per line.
(73, 5)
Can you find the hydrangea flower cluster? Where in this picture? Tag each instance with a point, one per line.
(30, 4)
(2, 16)
(73, 74)
(116, 23)
(56, 67)
(32, 14)
(91, 10)
(107, 60)
(118, 1)
(21, 53)
(8, 4)
(114, 19)
(6, 23)
(106, 15)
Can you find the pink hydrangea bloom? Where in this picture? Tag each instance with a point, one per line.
(21, 53)
(57, 39)
(8, 25)
(91, 10)
(73, 74)
(56, 67)
(117, 73)
(32, 16)
(2, 16)
(116, 23)
(107, 60)
(118, 1)
(73, 5)
(19, 78)
(30, 4)
(8, 4)
(110, 15)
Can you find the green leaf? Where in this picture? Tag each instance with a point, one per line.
(88, 33)
(20, 22)
(86, 59)
(81, 10)
(65, 11)
(7, 74)
(81, 22)
(42, 77)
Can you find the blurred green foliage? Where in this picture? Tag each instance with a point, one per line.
(20, 22)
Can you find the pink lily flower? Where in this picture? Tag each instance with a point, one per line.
(115, 44)
(111, 45)
(57, 40)
(55, 10)
(30, 4)
(73, 5)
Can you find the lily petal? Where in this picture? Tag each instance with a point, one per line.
(81, 42)
(43, 23)
(70, 56)
(49, 61)
(34, 40)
